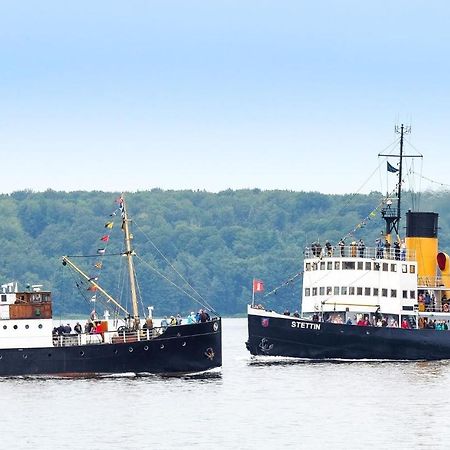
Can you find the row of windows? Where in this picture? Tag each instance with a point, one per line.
(359, 265)
(356, 290)
(5, 327)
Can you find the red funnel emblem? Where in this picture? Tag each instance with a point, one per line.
(265, 322)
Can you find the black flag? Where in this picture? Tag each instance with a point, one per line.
(391, 168)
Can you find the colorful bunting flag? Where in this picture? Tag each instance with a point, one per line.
(109, 225)
(101, 251)
(105, 238)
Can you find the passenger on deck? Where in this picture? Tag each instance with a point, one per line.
(405, 324)
(164, 322)
(380, 248)
(361, 248)
(172, 321)
(191, 318)
(329, 248)
(77, 328)
(315, 317)
(296, 314)
(179, 319)
(397, 250)
(387, 246)
(353, 249)
(341, 244)
(286, 312)
(403, 250)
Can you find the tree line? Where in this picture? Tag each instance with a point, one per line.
(215, 242)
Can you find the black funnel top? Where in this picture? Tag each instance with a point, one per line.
(421, 224)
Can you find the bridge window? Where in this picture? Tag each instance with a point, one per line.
(412, 294)
(308, 267)
(393, 293)
(376, 266)
(385, 267)
(393, 267)
(321, 290)
(359, 291)
(368, 266)
(336, 290)
(330, 265)
(344, 290)
(405, 294)
(322, 265)
(351, 290)
(348, 265)
(328, 290)
(366, 291)
(307, 292)
(3, 297)
(337, 265)
(412, 269)
(404, 268)
(375, 292)
(384, 292)
(360, 265)
(314, 291)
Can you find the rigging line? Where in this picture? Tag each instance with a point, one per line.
(205, 304)
(169, 263)
(285, 283)
(354, 194)
(430, 180)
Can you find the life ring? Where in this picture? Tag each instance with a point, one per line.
(445, 307)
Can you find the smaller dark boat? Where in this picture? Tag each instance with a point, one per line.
(30, 345)
(388, 302)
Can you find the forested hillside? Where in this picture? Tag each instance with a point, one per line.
(218, 242)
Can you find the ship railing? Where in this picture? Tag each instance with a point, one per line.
(352, 251)
(433, 282)
(107, 337)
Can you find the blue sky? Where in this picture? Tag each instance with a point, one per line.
(294, 95)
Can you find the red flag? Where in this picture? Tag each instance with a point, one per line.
(258, 286)
(105, 238)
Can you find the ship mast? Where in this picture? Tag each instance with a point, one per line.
(392, 215)
(129, 254)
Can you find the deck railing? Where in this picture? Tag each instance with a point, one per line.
(107, 337)
(355, 252)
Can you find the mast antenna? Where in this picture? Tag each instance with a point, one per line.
(392, 215)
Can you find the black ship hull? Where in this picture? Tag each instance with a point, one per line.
(298, 338)
(179, 350)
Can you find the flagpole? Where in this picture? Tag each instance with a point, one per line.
(253, 292)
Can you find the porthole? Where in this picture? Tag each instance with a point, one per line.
(5, 327)
(82, 353)
(27, 326)
(25, 356)
(130, 349)
(40, 325)
(162, 346)
(15, 327)
(184, 344)
(1, 356)
(116, 351)
(146, 348)
(49, 355)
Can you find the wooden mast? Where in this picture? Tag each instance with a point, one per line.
(129, 254)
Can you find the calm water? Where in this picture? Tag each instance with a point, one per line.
(250, 404)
